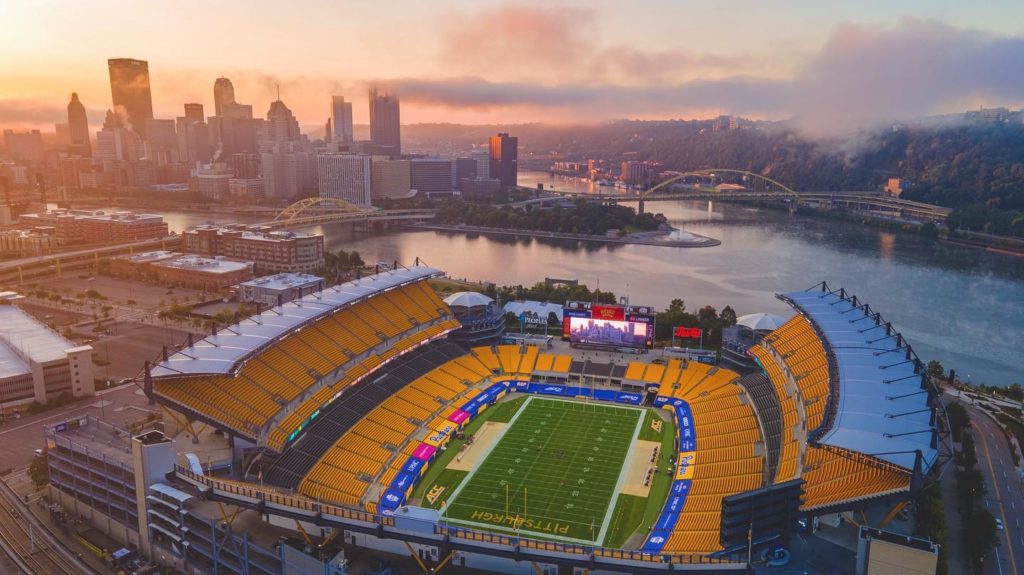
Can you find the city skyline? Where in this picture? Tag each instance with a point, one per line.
(501, 62)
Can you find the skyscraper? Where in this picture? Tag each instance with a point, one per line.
(129, 88)
(385, 123)
(288, 163)
(281, 124)
(504, 159)
(115, 142)
(223, 93)
(194, 113)
(341, 120)
(345, 177)
(78, 128)
(224, 104)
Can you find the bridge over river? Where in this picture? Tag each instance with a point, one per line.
(700, 185)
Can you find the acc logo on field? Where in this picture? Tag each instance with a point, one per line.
(686, 462)
(391, 497)
(657, 540)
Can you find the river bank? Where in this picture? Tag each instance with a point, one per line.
(671, 239)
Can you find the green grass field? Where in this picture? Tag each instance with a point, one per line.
(556, 469)
(635, 514)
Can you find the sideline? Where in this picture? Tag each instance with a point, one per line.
(613, 501)
(476, 466)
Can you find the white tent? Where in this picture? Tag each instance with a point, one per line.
(760, 321)
(467, 299)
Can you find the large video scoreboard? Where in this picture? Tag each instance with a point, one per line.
(604, 325)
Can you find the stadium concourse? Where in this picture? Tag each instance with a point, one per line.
(341, 400)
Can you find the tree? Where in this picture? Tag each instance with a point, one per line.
(935, 369)
(1014, 392)
(39, 472)
(342, 259)
(980, 535)
(958, 419)
(728, 316)
(355, 260)
(677, 305)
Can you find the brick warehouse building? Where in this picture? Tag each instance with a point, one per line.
(271, 251)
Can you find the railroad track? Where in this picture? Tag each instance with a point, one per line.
(16, 542)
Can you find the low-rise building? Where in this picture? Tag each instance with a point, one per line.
(37, 241)
(251, 188)
(213, 181)
(176, 269)
(201, 273)
(390, 179)
(475, 188)
(278, 289)
(37, 363)
(271, 251)
(432, 175)
(139, 265)
(73, 227)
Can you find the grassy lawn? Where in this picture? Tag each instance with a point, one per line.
(502, 412)
(637, 514)
(554, 471)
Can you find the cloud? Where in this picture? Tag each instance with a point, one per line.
(31, 113)
(512, 63)
(597, 101)
(867, 74)
(516, 39)
(862, 77)
(562, 43)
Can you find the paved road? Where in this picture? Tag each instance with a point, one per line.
(9, 265)
(1004, 497)
(120, 406)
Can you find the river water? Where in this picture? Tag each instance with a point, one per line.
(962, 306)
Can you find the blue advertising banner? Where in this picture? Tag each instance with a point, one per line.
(413, 466)
(402, 482)
(666, 521)
(681, 487)
(686, 430)
(630, 398)
(655, 541)
(390, 501)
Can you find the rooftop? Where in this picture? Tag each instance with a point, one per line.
(283, 281)
(153, 256)
(206, 265)
(541, 309)
(253, 233)
(101, 439)
(11, 364)
(29, 338)
(881, 408)
(222, 352)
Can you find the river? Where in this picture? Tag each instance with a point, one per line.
(962, 306)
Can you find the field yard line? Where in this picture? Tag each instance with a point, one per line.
(465, 481)
(622, 478)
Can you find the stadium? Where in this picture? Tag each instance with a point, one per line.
(351, 413)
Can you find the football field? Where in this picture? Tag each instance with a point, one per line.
(554, 473)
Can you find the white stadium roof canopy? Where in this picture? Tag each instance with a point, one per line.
(220, 353)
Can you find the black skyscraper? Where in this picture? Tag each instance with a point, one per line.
(129, 88)
(504, 159)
